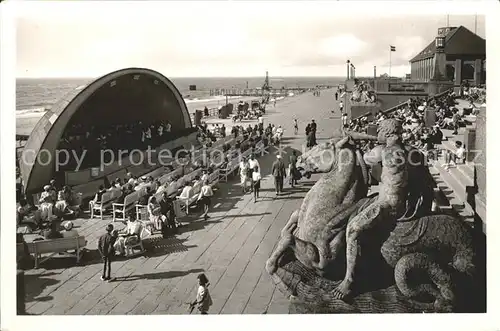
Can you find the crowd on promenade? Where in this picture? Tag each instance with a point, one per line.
(56, 203)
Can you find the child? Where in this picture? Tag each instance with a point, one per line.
(105, 247)
(256, 177)
(203, 298)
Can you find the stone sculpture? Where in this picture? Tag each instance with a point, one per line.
(424, 260)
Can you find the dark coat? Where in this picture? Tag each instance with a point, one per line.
(279, 169)
(105, 245)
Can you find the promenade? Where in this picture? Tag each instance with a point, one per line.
(231, 248)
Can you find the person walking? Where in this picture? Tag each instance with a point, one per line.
(341, 107)
(336, 96)
(206, 193)
(253, 162)
(344, 120)
(256, 177)
(293, 169)
(279, 173)
(313, 131)
(244, 175)
(105, 247)
(295, 126)
(203, 299)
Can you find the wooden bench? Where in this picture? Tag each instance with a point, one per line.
(138, 170)
(260, 148)
(169, 175)
(106, 201)
(192, 175)
(57, 246)
(187, 202)
(213, 178)
(118, 174)
(229, 170)
(156, 172)
(120, 209)
(88, 190)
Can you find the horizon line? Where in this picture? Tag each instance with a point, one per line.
(174, 77)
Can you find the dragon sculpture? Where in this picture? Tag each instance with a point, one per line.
(427, 262)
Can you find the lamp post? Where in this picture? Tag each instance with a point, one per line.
(348, 68)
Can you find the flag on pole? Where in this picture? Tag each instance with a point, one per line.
(393, 48)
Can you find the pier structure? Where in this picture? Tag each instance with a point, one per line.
(259, 92)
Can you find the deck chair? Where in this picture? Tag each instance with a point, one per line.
(100, 206)
(134, 244)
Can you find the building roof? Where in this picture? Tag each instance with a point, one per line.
(132, 94)
(458, 41)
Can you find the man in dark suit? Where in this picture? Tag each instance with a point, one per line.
(167, 209)
(279, 173)
(105, 248)
(313, 131)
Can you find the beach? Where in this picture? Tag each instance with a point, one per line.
(33, 96)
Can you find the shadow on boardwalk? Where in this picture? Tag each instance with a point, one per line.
(158, 246)
(35, 285)
(159, 275)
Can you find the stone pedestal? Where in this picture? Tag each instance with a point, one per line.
(470, 144)
(430, 117)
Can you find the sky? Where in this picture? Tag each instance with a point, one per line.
(223, 39)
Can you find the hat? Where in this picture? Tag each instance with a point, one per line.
(46, 187)
(68, 225)
(278, 156)
(144, 177)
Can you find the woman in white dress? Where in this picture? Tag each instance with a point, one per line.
(244, 174)
(154, 213)
(47, 201)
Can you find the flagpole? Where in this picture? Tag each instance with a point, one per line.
(390, 58)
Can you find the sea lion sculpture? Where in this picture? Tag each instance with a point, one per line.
(437, 248)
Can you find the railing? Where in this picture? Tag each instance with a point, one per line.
(394, 108)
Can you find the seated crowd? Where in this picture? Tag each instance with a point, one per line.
(414, 131)
(55, 204)
(115, 137)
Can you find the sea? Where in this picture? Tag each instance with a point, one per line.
(35, 95)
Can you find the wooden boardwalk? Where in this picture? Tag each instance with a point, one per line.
(231, 248)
